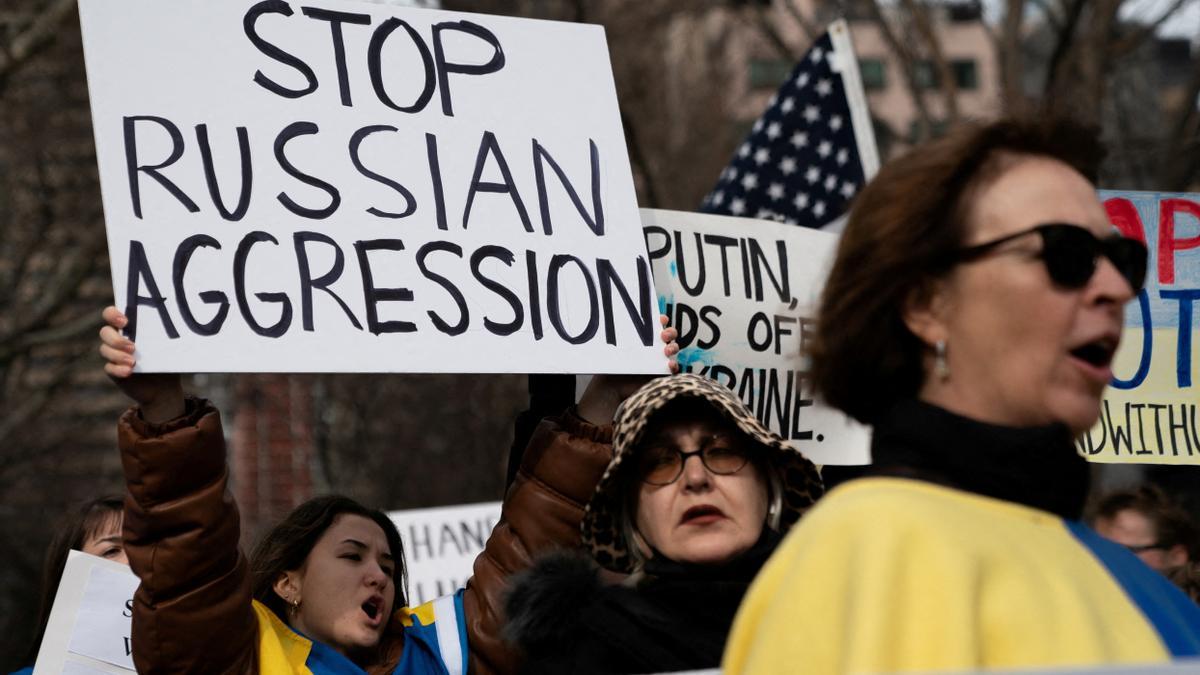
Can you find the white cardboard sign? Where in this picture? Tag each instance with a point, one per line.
(742, 293)
(441, 544)
(89, 626)
(346, 186)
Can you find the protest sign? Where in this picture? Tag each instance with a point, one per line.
(1149, 414)
(742, 293)
(89, 626)
(345, 186)
(440, 546)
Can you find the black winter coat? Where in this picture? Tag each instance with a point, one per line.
(565, 619)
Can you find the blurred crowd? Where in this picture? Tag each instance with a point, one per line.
(970, 319)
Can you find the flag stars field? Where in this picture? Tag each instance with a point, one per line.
(803, 146)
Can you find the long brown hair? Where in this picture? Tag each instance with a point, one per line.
(78, 526)
(287, 545)
(903, 228)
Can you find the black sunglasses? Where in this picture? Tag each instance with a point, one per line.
(1142, 548)
(1070, 252)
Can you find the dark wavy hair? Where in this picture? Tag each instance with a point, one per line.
(903, 228)
(84, 522)
(1172, 524)
(287, 545)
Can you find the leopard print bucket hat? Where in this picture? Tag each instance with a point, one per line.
(602, 528)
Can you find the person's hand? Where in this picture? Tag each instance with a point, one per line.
(159, 395)
(606, 392)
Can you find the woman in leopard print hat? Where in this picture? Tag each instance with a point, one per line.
(696, 497)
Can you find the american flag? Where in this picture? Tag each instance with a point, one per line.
(811, 151)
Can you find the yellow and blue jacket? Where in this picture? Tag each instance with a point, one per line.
(435, 643)
(893, 575)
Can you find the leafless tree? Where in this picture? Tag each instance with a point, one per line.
(1077, 57)
(53, 280)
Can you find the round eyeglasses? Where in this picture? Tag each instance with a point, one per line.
(663, 466)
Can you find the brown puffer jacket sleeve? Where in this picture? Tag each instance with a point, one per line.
(542, 511)
(192, 611)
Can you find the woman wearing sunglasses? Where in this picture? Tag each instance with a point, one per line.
(694, 500)
(971, 317)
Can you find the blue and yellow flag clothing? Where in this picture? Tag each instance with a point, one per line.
(435, 643)
(889, 574)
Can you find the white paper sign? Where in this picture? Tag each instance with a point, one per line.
(89, 626)
(76, 668)
(346, 186)
(441, 544)
(742, 293)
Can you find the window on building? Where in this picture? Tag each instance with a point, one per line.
(965, 76)
(964, 12)
(769, 73)
(874, 75)
(916, 132)
(925, 74)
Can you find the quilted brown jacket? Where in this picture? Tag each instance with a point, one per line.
(192, 611)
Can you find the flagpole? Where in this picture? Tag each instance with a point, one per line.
(846, 64)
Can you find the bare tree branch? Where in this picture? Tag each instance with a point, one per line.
(1011, 59)
(40, 33)
(811, 30)
(78, 326)
(1093, 60)
(638, 159)
(1050, 14)
(1183, 139)
(948, 85)
(907, 65)
(766, 25)
(31, 404)
(1062, 44)
(1134, 39)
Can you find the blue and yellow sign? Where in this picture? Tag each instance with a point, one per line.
(1150, 413)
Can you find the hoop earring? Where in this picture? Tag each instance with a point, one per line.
(940, 366)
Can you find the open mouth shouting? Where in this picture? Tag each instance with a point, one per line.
(373, 609)
(1096, 356)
